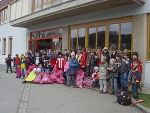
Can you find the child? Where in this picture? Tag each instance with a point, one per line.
(23, 65)
(34, 73)
(73, 67)
(95, 77)
(83, 60)
(124, 77)
(135, 57)
(103, 74)
(113, 74)
(135, 77)
(8, 62)
(60, 61)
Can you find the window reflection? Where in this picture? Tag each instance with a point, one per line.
(92, 37)
(73, 39)
(81, 38)
(113, 36)
(101, 37)
(126, 35)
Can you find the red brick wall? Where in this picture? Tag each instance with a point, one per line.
(4, 3)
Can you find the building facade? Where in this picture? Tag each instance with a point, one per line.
(76, 24)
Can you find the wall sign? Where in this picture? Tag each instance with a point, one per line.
(50, 33)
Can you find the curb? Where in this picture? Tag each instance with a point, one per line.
(142, 108)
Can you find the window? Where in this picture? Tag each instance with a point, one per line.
(92, 37)
(4, 47)
(10, 46)
(3, 16)
(81, 38)
(113, 36)
(42, 4)
(74, 39)
(101, 37)
(126, 35)
(115, 33)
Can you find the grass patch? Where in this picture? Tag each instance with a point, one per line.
(146, 98)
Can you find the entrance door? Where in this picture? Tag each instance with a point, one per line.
(46, 44)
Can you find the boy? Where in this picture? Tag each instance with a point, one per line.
(73, 67)
(103, 74)
(95, 77)
(135, 77)
(8, 62)
(124, 71)
(113, 74)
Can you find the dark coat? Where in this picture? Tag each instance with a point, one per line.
(73, 67)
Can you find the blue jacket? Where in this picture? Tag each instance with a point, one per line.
(73, 67)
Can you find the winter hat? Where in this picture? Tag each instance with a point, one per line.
(59, 53)
(96, 68)
(73, 54)
(105, 48)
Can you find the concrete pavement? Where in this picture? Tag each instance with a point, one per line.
(34, 98)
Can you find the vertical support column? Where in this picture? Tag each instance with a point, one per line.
(107, 36)
(86, 37)
(140, 38)
(65, 37)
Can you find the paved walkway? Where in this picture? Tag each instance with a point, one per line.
(34, 98)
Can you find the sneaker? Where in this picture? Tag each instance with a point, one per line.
(24, 82)
(22, 77)
(104, 92)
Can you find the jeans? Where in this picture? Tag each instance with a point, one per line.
(135, 87)
(23, 72)
(124, 80)
(114, 85)
(103, 85)
(9, 67)
(46, 70)
(70, 80)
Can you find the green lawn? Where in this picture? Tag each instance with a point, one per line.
(145, 97)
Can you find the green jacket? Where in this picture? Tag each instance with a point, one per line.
(113, 72)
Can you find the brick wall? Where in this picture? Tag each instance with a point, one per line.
(4, 3)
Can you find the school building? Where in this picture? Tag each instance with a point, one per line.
(71, 24)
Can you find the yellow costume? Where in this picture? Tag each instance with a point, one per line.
(31, 77)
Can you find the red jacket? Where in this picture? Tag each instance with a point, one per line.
(139, 66)
(60, 62)
(52, 62)
(95, 76)
(17, 60)
(83, 60)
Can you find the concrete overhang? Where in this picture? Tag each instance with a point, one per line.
(68, 9)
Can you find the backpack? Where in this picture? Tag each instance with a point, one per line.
(124, 98)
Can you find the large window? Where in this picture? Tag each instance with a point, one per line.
(3, 16)
(73, 39)
(81, 38)
(126, 35)
(113, 34)
(10, 46)
(101, 37)
(77, 40)
(92, 37)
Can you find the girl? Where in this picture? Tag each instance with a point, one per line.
(23, 65)
(95, 77)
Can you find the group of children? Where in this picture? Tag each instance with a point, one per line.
(114, 68)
